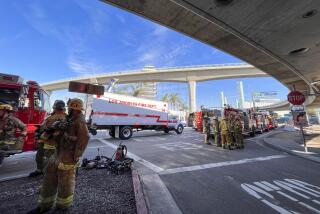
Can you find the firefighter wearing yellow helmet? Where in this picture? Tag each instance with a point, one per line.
(238, 133)
(46, 144)
(59, 179)
(225, 133)
(206, 130)
(9, 125)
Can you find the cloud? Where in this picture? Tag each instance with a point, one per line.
(83, 67)
(160, 30)
(157, 48)
(38, 11)
(121, 19)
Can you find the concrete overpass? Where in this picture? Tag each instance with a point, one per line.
(279, 37)
(190, 75)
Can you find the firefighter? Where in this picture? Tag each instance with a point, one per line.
(231, 129)
(206, 130)
(46, 144)
(225, 133)
(59, 179)
(216, 131)
(9, 125)
(238, 133)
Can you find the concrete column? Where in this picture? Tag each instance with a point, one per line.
(49, 93)
(241, 94)
(318, 116)
(222, 99)
(192, 96)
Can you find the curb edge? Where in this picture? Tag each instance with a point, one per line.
(280, 148)
(138, 193)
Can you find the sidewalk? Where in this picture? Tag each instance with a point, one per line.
(291, 142)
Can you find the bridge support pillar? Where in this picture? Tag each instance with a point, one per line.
(192, 96)
(49, 93)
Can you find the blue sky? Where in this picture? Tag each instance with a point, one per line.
(45, 41)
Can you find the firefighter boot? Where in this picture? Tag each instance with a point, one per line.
(35, 173)
(2, 154)
(229, 147)
(38, 210)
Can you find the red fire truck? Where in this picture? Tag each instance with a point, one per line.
(30, 102)
(247, 120)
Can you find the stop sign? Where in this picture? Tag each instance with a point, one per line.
(296, 98)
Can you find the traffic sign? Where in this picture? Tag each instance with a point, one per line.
(86, 88)
(296, 98)
(297, 108)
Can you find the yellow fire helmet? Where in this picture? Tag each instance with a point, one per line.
(6, 107)
(75, 104)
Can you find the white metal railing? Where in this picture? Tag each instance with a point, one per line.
(201, 66)
(92, 76)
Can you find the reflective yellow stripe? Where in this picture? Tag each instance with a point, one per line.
(63, 166)
(43, 137)
(9, 142)
(48, 146)
(78, 164)
(46, 200)
(65, 201)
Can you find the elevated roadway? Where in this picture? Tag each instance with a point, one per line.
(190, 75)
(278, 37)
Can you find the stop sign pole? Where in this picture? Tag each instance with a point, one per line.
(296, 98)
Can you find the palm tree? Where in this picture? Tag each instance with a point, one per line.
(136, 89)
(174, 100)
(133, 89)
(165, 98)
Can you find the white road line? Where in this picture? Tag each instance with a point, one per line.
(95, 147)
(287, 196)
(299, 188)
(309, 207)
(250, 191)
(158, 138)
(220, 164)
(138, 139)
(257, 196)
(275, 207)
(270, 185)
(301, 185)
(266, 188)
(262, 188)
(290, 189)
(307, 184)
(151, 166)
(257, 189)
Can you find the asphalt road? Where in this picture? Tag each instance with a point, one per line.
(180, 174)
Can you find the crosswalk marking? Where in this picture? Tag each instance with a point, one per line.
(263, 191)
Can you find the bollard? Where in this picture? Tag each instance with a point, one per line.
(303, 139)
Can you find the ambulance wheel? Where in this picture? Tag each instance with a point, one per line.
(125, 133)
(111, 133)
(261, 130)
(179, 129)
(253, 132)
(93, 131)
